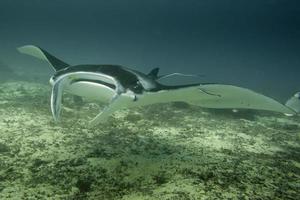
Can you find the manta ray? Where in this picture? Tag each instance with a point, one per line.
(123, 87)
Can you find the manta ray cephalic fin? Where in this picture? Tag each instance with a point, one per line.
(56, 98)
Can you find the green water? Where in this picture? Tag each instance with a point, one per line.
(160, 152)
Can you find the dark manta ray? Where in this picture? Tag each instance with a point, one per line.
(122, 87)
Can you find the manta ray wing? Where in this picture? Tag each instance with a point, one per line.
(107, 111)
(124, 100)
(233, 97)
(208, 96)
(214, 96)
(42, 54)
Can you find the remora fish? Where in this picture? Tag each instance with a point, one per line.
(122, 87)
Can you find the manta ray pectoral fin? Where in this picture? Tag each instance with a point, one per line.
(217, 96)
(106, 112)
(233, 97)
(42, 54)
(118, 102)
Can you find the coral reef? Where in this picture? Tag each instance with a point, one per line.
(170, 151)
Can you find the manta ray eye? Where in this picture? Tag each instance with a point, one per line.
(51, 81)
(137, 84)
(137, 87)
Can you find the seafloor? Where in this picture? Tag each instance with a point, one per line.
(170, 151)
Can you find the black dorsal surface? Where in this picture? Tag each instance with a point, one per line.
(126, 78)
(56, 63)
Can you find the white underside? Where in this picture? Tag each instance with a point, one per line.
(208, 96)
(216, 96)
(92, 91)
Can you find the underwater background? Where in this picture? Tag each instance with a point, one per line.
(165, 151)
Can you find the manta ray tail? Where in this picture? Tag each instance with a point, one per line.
(294, 102)
(42, 54)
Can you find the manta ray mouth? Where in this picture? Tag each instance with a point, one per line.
(68, 79)
(112, 86)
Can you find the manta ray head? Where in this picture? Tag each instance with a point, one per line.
(136, 87)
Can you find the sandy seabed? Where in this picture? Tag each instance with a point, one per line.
(167, 151)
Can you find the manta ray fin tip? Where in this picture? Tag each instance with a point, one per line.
(294, 103)
(42, 54)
